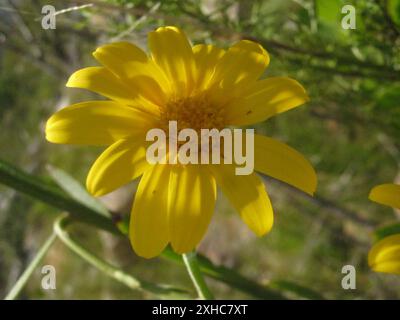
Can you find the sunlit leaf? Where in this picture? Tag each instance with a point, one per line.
(76, 190)
(393, 8)
(329, 11)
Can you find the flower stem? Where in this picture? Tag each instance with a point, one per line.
(192, 265)
(163, 291)
(20, 284)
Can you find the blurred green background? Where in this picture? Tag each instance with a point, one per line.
(350, 130)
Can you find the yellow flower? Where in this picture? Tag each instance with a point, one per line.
(199, 86)
(385, 254)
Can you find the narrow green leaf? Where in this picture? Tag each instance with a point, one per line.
(386, 231)
(296, 289)
(76, 190)
(51, 194)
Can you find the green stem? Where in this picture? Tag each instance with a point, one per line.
(228, 276)
(23, 279)
(110, 270)
(192, 265)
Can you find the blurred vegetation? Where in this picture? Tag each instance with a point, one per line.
(349, 130)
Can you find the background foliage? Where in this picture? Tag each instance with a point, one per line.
(349, 130)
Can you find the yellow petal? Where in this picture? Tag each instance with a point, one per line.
(192, 201)
(206, 57)
(102, 81)
(265, 99)
(385, 255)
(388, 267)
(172, 52)
(386, 194)
(148, 230)
(133, 66)
(95, 123)
(248, 196)
(241, 65)
(120, 163)
(284, 163)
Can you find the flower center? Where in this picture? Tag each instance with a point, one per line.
(195, 112)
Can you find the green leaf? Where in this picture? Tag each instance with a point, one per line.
(329, 11)
(296, 289)
(329, 15)
(76, 190)
(386, 231)
(393, 8)
(43, 190)
(389, 99)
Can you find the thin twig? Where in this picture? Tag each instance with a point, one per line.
(329, 205)
(70, 9)
(138, 22)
